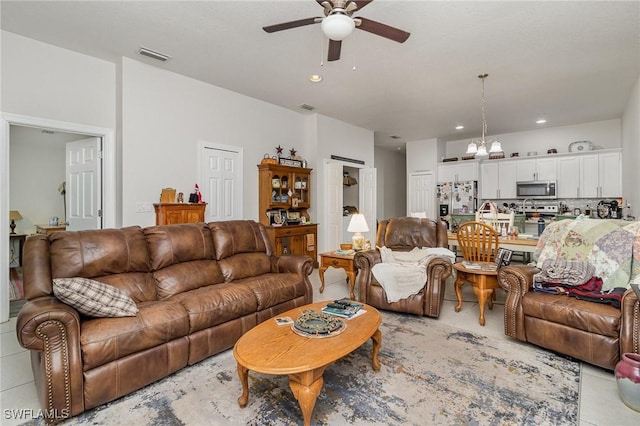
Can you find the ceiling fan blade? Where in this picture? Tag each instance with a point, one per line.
(292, 24)
(383, 30)
(361, 3)
(334, 50)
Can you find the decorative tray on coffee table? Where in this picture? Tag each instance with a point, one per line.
(318, 325)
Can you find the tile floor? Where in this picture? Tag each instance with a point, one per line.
(599, 401)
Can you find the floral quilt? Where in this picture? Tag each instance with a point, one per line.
(611, 246)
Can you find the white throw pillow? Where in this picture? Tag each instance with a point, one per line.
(93, 298)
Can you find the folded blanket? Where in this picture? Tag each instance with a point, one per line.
(402, 274)
(567, 272)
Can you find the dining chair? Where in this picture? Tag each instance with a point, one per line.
(479, 245)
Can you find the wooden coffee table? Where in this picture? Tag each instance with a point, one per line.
(270, 348)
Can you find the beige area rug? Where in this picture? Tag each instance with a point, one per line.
(432, 374)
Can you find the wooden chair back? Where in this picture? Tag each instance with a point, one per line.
(493, 218)
(478, 241)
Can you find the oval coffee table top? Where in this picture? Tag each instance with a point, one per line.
(276, 349)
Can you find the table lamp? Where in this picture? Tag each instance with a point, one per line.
(358, 225)
(13, 216)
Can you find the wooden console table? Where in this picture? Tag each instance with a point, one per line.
(170, 213)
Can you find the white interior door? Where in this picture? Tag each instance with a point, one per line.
(222, 183)
(332, 228)
(368, 199)
(84, 184)
(421, 197)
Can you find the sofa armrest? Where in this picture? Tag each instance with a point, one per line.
(630, 323)
(301, 265)
(516, 280)
(364, 262)
(438, 270)
(52, 329)
(297, 264)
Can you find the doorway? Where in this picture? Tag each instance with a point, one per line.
(11, 123)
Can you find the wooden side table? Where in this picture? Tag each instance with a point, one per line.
(49, 229)
(12, 254)
(344, 261)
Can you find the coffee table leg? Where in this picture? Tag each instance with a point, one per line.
(321, 273)
(377, 342)
(243, 373)
(306, 387)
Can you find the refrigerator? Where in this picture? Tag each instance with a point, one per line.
(457, 198)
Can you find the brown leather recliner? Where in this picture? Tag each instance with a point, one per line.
(592, 332)
(403, 234)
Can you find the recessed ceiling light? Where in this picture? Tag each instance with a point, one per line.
(459, 127)
(541, 121)
(315, 78)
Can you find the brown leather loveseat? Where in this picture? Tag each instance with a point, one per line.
(197, 288)
(403, 234)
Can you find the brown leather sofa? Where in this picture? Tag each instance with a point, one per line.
(198, 288)
(403, 234)
(592, 332)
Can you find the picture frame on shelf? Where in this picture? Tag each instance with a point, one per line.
(289, 162)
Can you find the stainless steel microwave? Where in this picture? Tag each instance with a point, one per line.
(537, 189)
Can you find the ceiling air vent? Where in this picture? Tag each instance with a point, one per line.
(152, 54)
(307, 107)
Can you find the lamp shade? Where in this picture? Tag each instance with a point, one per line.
(496, 146)
(358, 223)
(337, 26)
(14, 215)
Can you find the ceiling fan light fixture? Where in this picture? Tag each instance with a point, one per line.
(337, 26)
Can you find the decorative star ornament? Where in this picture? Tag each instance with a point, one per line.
(292, 152)
(278, 150)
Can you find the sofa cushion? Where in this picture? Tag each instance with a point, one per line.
(101, 253)
(597, 318)
(179, 243)
(216, 304)
(407, 233)
(107, 339)
(238, 236)
(93, 298)
(185, 276)
(245, 265)
(272, 289)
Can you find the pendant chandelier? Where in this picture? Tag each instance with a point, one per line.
(479, 147)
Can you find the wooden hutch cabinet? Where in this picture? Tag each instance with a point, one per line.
(285, 197)
(170, 213)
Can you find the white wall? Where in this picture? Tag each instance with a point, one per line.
(631, 150)
(333, 137)
(603, 134)
(45, 81)
(165, 118)
(391, 167)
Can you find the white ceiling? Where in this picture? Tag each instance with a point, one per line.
(573, 62)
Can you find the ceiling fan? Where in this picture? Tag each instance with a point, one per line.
(339, 24)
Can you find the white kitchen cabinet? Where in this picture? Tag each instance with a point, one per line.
(536, 169)
(458, 171)
(568, 177)
(498, 180)
(592, 175)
